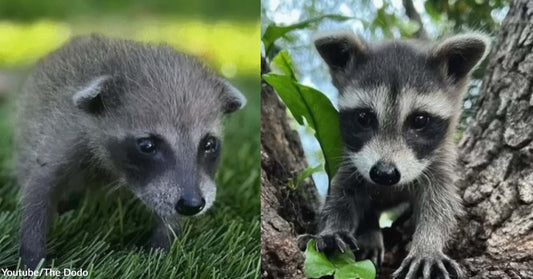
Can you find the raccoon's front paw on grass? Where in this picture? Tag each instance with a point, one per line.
(330, 243)
(158, 242)
(433, 266)
(31, 256)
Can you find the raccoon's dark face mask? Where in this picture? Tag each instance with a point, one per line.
(165, 151)
(171, 178)
(398, 101)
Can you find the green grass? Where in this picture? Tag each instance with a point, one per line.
(104, 233)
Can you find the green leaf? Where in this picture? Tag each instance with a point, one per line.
(342, 259)
(274, 32)
(312, 105)
(360, 270)
(283, 63)
(342, 265)
(307, 172)
(431, 10)
(408, 28)
(316, 264)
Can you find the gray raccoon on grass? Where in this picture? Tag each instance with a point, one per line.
(113, 111)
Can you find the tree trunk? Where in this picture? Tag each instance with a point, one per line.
(285, 212)
(496, 234)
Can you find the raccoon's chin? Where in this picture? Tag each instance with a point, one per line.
(169, 218)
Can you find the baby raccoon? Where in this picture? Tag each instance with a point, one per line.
(399, 105)
(111, 111)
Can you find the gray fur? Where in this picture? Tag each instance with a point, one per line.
(84, 102)
(394, 82)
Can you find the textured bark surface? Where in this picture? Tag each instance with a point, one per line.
(285, 212)
(496, 234)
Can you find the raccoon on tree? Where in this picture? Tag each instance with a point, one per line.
(399, 104)
(102, 111)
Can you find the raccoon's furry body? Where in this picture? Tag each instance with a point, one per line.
(124, 113)
(399, 105)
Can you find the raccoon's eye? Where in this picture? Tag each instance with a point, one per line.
(146, 145)
(211, 144)
(365, 119)
(419, 121)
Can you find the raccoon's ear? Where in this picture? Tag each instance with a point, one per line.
(232, 98)
(339, 49)
(90, 97)
(457, 56)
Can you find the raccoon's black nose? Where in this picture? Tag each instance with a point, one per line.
(384, 174)
(190, 206)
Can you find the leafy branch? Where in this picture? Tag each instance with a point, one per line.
(312, 105)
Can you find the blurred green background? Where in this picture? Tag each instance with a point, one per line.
(104, 232)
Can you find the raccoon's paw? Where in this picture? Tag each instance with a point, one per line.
(159, 242)
(432, 266)
(330, 242)
(303, 239)
(371, 247)
(31, 256)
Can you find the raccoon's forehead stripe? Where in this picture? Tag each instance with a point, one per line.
(375, 99)
(435, 103)
(355, 98)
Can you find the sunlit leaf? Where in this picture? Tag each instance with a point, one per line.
(363, 270)
(409, 28)
(306, 173)
(274, 32)
(431, 11)
(340, 265)
(283, 63)
(316, 264)
(312, 105)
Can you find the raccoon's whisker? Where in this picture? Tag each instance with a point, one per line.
(355, 174)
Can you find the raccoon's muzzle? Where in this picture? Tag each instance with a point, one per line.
(385, 173)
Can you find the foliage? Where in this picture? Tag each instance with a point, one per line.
(61, 9)
(312, 105)
(389, 23)
(274, 32)
(24, 43)
(105, 231)
(341, 265)
(473, 14)
(306, 173)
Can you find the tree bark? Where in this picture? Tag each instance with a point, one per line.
(285, 212)
(495, 238)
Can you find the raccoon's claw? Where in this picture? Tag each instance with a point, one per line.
(429, 267)
(329, 243)
(371, 247)
(303, 239)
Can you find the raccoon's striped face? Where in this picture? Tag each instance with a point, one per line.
(398, 100)
(173, 173)
(390, 136)
(164, 145)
